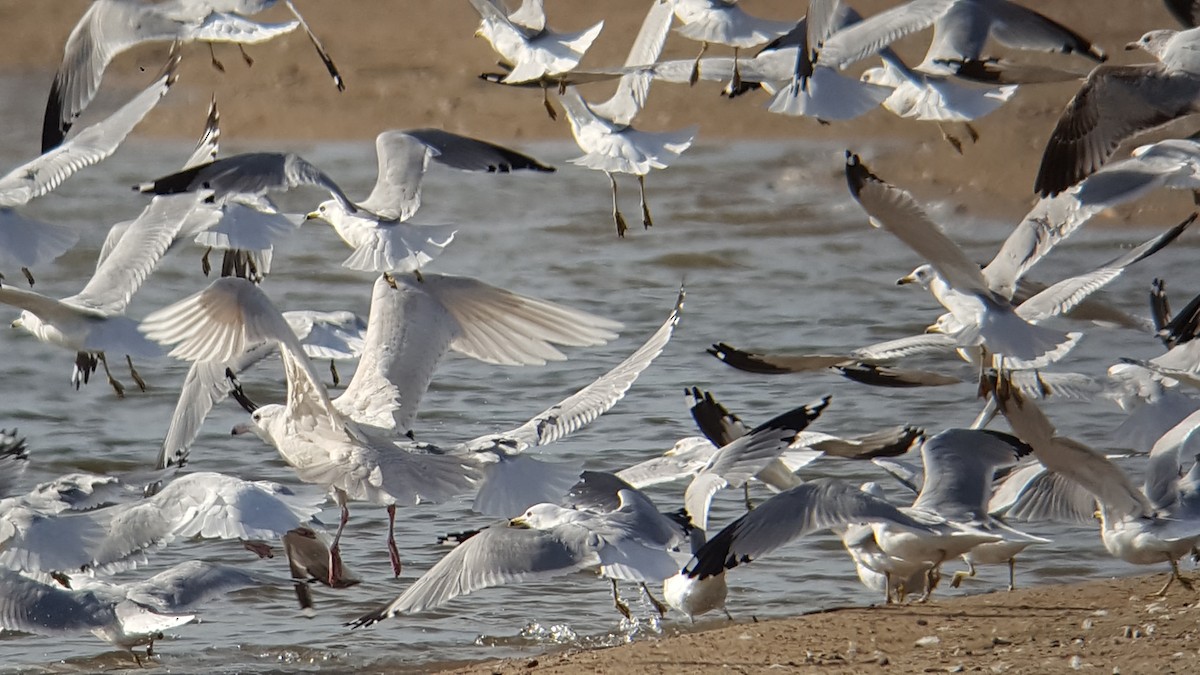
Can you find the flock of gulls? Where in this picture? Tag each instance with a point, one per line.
(539, 519)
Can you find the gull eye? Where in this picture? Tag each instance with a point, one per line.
(321, 208)
(257, 417)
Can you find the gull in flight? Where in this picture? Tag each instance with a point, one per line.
(27, 243)
(355, 446)
(724, 23)
(110, 27)
(532, 52)
(985, 316)
(125, 615)
(377, 229)
(629, 543)
(603, 131)
(1118, 102)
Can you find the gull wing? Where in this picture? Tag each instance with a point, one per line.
(873, 33)
(1165, 467)
(31, 606)
(634, 87)
(190, 584)
(896, 211)
(1114, 103)
(959, 468)
(250, 173)
(95, 143)
(804, 509)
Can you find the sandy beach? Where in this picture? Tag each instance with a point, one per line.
(409, 63)
(1103, 626)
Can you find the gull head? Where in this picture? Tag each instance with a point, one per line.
(329, 210)
(1153, 42)
(267, 422)
(541, 517)
(923, 275)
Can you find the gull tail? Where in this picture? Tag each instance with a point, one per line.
(827, 95)
(1026, 344)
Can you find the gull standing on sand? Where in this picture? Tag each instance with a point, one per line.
(110, 27)
(1118, 102)
(377, 229)
(531, 51)
(603, 131)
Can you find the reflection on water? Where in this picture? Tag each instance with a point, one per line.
(775, 256)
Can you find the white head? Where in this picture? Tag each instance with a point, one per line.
(540, 516)
(1153, 42)
(330, 210)
(923, 275)
(266, 422)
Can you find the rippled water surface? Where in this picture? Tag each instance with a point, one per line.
(775, 256)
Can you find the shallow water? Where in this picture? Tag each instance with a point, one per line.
(775, 256)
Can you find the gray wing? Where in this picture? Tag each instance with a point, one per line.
(1115, 102)
(1049, 222)
(1068, 293)
(107, 28)
(959, 467)
(190, 584)
(1034, 494)
(1022, 28)
(873, 33)
(685, 458)
(896, 211)
(774, 364)
(889, 442)
(402, 161)
(136, 254)
(95, 143)
(587, 404)
(14, 460)
(791, 514)
(634, 87)
(210, 140)
(249, 173)
(497, 555)
(33, 607)
(471, 154)
(1165, 466)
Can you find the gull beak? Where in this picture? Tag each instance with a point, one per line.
(314, 215)
(478, 32)
(17, 324)
(242, 429)
(1130, 46)
(933, 328)
(906, 279)
(518, 522)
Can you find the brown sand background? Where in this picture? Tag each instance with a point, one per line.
(412, 63)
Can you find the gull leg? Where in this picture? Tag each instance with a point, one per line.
(417, 274)
(337, 380)
(887, 588)
(28, 275)
(727, 615)
(621, 607)
(205, 266)
(1012, 573)
(335, 551)
(252, 269)
(393, 552)
(549, 106)
(212, 52)
(950, 138)
(111, 381)
(1172, 578)
(971, 132)
(658, 605)
(746, 495)
(134, 374)
(85, 365)
(962, 574)
(646, 221)
(259, 548)
(617, 217)
(695, 76)
(245, 57)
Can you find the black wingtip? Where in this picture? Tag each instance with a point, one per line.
(857, 173)
(367, 620)
(54, 130)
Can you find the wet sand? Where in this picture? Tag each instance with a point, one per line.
(1103, 626)
(411, 63)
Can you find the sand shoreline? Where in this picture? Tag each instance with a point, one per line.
(1107, 625)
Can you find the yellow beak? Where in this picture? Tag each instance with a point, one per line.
(933, 328)
(17, 324)
(518, 522)
(907, 279)
(314, 215)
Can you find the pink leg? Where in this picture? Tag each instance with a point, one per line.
(335, 553)
(393, 552)
(259, 548)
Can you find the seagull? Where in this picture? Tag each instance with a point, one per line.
(195, 505)
(724, 23)
(877, 570)
(1173, 163)
(603, 131)
(1132, 527)
(629, 543)
(1118, 102)
(984, 316)
(531, 51)
(356, 446)
(110, 27)
(125, 615)
(377, 229)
